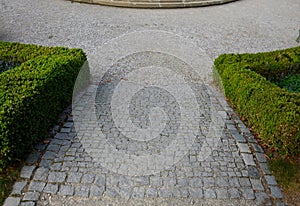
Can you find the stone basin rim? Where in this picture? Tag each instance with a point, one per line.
(155, 4)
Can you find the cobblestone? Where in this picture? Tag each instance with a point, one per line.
(41, 174)
(88, 178)
(18, 187)
(232, 169)
(36, 186)
(82, 191)
(66, 190)
(28, 204)
(74, 177)
(26, 171)
(257, 184)
(12, 201)
(31, 196)
(57, 176)
(97, 191)
(51, 188)
(271, 180)
(276, 192)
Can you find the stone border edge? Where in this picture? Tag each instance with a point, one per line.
(251, 152)
(155, 4)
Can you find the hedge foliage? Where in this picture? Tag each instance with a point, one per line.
(33, 94)
(272, 112)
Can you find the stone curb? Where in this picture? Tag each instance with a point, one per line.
(251, 151)
(151, 4)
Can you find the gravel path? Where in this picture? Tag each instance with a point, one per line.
(150, 129)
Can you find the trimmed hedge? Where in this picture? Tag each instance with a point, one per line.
(272, 112)
(33, 94)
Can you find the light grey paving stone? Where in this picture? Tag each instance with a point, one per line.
(261, 197)
(28, 203)
(245, 182)
(222, 193)
(125, 192)
(138, 192)
(151, 192)
(51, 188)
(165, 192)
(248, 194)
(66, 190)
(180, 192)
(248, 158)
(31, 196)
(41, 174)
(12, 201)
(36, 186)
(96, 191)
(126, 181)
(244, 148)
(56, 166)
(183, 182)
(82, 191)
(156, 181)
(231, 127)
(234, 193)
(208, 182)
(271, 180)
(276, 192)
(100, 180)
(222, 182)
(142, 181)
(26, 171)
(196, 192)
(257, 184)
(74, 177)
(112, 192)
(210, 193)
(18, 187)
(169, 181)
(234, 182)
(57, 176)
(238, 137)
(196, 182)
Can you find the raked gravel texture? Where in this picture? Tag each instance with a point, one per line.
(74, 169)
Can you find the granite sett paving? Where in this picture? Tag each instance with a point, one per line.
(72, 168)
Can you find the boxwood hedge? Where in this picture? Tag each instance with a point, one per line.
(273, 113)
(33, 94)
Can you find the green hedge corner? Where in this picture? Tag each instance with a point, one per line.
(34, 94)
(272, 112)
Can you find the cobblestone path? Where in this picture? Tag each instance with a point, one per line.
(168, 139)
